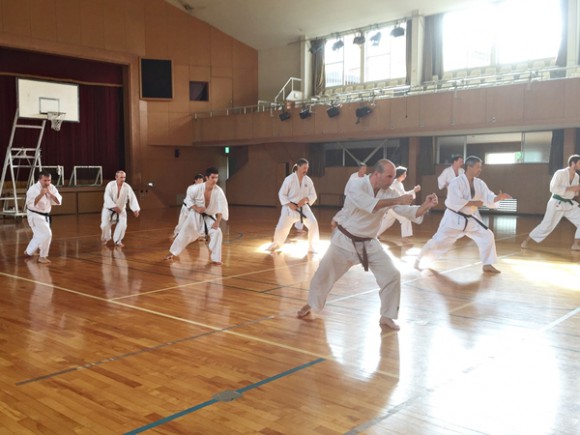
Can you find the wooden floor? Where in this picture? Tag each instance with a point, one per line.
(110, 341)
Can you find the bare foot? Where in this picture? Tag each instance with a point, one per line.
(490, 269)
(273, 247)
(389, 323)
(43, 260)
(168, 257)
(104, 242)
(120, 244)
(304, 311)
(524, 244)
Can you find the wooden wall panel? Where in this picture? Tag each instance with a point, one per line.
(199, 38)
(180, 102)
(468, 108)
(243, 56)
(245, 86)
(262, 125)
(2, 15)
(571, 101)
(405, 113)
(158, 128)
(43, 19)
(180, 129)
(221, 93)
(156, 29)
(68, 21)
(324, 124)
(543, 100)
(221, 49)
(302, 127)
(93, 23)
(135, 27)
(16, 17)
(505, 104)
(114, 26)
(243, 126)
(436, 110)
(178, 35)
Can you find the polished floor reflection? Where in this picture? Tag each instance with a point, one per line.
(110, 341)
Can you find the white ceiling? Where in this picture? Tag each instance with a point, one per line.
(264, 24)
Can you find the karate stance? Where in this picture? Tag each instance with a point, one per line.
(117, 195)
(390, 216)
(451, 172)
(355, 241)
(296, 195)
(187, 203)
(209, 208)
(465, 194)
(564, 187)
(40, 198)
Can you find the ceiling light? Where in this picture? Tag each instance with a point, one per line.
(361, 112)
(284, 116)
(305, 113)
(397, 31)
(359, 39)
(338, 44)
(333, 111)
(376, 38)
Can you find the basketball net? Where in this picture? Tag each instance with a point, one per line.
(55, 119)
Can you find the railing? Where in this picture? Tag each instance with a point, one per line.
(378, 91)
(283, 96)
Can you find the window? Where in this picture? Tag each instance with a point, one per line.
(380, 57)
(506, 32)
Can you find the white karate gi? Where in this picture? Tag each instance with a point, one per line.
(113, 198)
(185, 209)
(391, 216)
(40, 225)
(358, 219)
(293, 191)
(556, 209)
(447, 175)
(354, 176)
(454, 226)
(195, 224)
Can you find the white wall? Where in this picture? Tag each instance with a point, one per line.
(275, 67)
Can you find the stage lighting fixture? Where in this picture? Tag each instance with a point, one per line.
(333, 111)
(361, 112)
(359, 39)
(316, 45)
(397, 31)
(338, 44)
(306, 113)
(376, 38)
(284, 116)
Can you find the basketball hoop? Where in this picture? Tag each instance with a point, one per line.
(55, 119)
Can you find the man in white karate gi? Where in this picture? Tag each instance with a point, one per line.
(362, 172)
(187, 203)
(209, 208)
(465, 194)
(40, 198)
(117, 195)
(451, 172)
(564, 188)
(355, 241)
(390, 216)
(296, 195)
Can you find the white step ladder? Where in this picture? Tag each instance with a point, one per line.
(13, 200)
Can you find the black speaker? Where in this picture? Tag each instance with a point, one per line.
(306, 113)
(333, 111)
(284, 116)
(363, 111)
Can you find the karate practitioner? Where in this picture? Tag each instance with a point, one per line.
(209, 208)
(355, 241)
(40, 198)
(564, 187)
(296, 195)
(117, 195)
(390, 216)
(362, 172)
(187, 203)
(451, 172)
(465, 194)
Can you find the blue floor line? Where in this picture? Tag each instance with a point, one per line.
(212, 401)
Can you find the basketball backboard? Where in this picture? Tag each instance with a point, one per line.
(37, 98)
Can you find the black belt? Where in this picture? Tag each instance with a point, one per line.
(469, 216)
(205, 223)
(364, 259)
(46, 215)
(559, 198)
(299, 210)
(114, 218)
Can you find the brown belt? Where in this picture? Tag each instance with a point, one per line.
(364, 259)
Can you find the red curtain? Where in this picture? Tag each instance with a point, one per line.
(97, 140)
